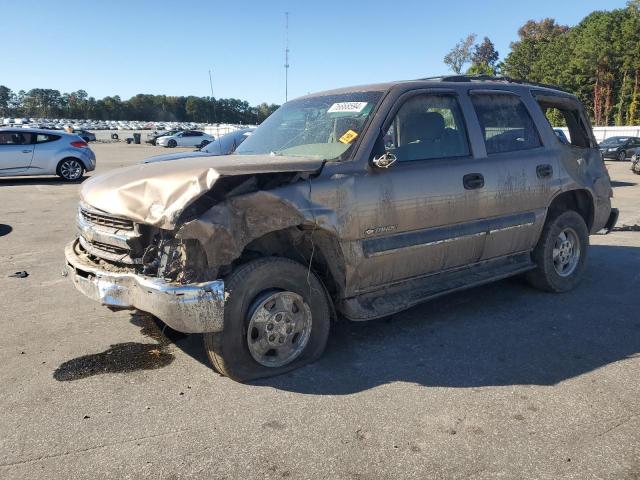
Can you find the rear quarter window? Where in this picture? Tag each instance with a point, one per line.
(505, 123)
(44, 138)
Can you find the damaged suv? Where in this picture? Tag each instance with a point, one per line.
(360, 202)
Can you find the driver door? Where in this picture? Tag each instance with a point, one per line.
(421, 215)
(16, 151)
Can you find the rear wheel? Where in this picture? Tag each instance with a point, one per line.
(70, 169)
(561, 253)
(204, 143)
(276, 319)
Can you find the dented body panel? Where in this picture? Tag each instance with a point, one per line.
(370, 233)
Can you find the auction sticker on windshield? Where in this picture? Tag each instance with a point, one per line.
(350, 107)
(348, 137)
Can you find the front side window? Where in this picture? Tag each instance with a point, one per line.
(324, 127)
(427, 127)
(15, 138)
(505, 123)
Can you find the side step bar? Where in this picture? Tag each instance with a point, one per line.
(400, 296)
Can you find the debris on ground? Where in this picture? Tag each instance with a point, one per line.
(627, 228)
(22, 274)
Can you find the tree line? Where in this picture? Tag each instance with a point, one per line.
(49, 103)
(598, 60)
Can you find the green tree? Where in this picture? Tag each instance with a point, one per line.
(484, 58)
(5, 100)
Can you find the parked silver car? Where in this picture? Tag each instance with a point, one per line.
(30, 151)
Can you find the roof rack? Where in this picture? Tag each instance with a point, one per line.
(489, 78)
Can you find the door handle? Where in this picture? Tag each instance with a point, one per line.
(544, 171)
(472, 181)
(27, 151)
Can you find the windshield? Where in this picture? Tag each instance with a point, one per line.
(323, 127)
(615, 141)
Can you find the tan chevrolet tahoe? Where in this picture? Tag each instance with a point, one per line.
(355, 203)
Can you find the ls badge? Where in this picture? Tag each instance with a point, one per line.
(379, 230)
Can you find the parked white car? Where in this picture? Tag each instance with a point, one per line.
(188, 138)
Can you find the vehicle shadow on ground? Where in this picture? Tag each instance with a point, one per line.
(501, 334)
(22, 181)
(616, 183)
(5, 229)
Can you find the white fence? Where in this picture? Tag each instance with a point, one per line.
(222, 129)
(602, 133)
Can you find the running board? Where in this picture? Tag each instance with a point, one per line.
(400, 296)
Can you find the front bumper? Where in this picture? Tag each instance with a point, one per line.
(610, 155)
(191, 308)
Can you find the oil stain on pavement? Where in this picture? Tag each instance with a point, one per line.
(122, 357)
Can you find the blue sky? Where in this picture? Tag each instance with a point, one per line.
(127, 47)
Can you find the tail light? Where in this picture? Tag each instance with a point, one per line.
(79, 144)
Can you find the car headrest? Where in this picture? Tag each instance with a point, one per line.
(423, 126)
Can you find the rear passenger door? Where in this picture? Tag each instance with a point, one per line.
(16, 151)
(419, 216)
(520, 172)
(45, 154)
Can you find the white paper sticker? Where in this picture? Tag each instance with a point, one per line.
(348, 107)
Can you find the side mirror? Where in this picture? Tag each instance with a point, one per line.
(385, 160)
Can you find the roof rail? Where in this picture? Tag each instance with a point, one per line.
(489, 78)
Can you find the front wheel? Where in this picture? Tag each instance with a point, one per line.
(276, 319)
(622, 156)
(172, 144)
(204, 143)
(561, 253)
(70, 169)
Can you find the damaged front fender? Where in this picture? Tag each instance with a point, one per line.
(226, 228)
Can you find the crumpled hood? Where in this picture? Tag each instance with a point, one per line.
(157, 193)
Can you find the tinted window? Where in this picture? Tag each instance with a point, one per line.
(505, 123)
(15, 138)
(427, 127)
(44, 138)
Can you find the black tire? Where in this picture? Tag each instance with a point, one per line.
(172, 144)
(229, 352)
(545, 276)
(622, 156)
(204, 143)
(114, 136)
(70, 169)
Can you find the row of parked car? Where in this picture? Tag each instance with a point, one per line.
(78, 124)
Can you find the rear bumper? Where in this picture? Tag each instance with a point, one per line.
(191, 308)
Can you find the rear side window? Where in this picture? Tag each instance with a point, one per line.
(15, 138)
(427, 127)
(44, 138)
(565, 114)
(505, 123)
